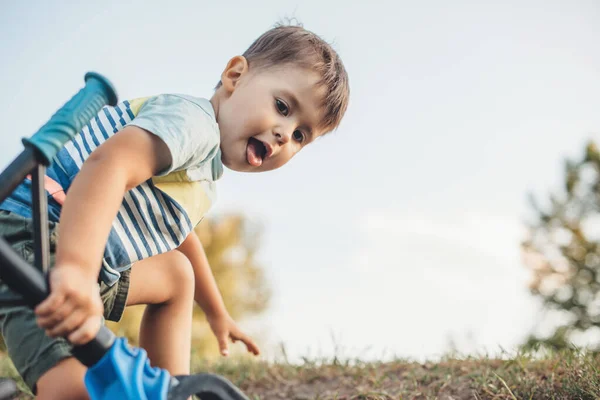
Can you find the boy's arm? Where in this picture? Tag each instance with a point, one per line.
(209, 298)
(124, 161)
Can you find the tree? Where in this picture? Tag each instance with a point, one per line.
(563, 253)
(231, 243)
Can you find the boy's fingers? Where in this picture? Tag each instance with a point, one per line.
(58, 316)
(222, 339)
(87, 331)
(49, 305)
(67, 325)
(250, 345)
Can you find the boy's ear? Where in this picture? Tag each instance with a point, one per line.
(236, 68)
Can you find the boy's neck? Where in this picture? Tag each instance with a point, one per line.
(214, 101)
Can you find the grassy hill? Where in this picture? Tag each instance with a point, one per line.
(564, 375)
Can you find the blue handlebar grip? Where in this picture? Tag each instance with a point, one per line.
(72, 117)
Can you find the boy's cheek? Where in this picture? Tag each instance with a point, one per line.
(227, 160)
(278, 162)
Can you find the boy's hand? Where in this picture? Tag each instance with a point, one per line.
(74, 308)
(224, 327)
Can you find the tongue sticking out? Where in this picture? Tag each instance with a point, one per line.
(254, 152)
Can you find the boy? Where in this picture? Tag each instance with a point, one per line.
(128, 203)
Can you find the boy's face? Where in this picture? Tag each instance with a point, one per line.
(266, 117)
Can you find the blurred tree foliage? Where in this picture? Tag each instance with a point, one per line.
(562, 251)
(231, 243)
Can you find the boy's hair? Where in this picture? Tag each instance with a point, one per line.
(286, 44)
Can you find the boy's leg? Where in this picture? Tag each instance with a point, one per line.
(64, 381)
(166, 283)
(45, 364)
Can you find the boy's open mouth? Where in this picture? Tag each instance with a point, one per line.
(255, 152)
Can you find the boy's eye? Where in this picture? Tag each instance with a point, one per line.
(298, 136)
(282, 107)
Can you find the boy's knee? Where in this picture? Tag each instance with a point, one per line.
(182, 266)
(160, 280)
(182, 273)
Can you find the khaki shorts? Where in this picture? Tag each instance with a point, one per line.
(32, 352)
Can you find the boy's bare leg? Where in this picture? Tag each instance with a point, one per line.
(166, 283)
(64, 381)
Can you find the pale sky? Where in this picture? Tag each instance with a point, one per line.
(400, 230)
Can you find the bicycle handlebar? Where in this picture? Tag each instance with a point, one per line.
(45, 143)
(72, 117)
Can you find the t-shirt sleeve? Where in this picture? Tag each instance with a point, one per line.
(184, 126)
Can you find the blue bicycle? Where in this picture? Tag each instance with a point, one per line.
(115, 369)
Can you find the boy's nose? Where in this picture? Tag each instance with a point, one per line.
(282, 136)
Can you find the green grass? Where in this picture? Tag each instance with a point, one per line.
(562, 375)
